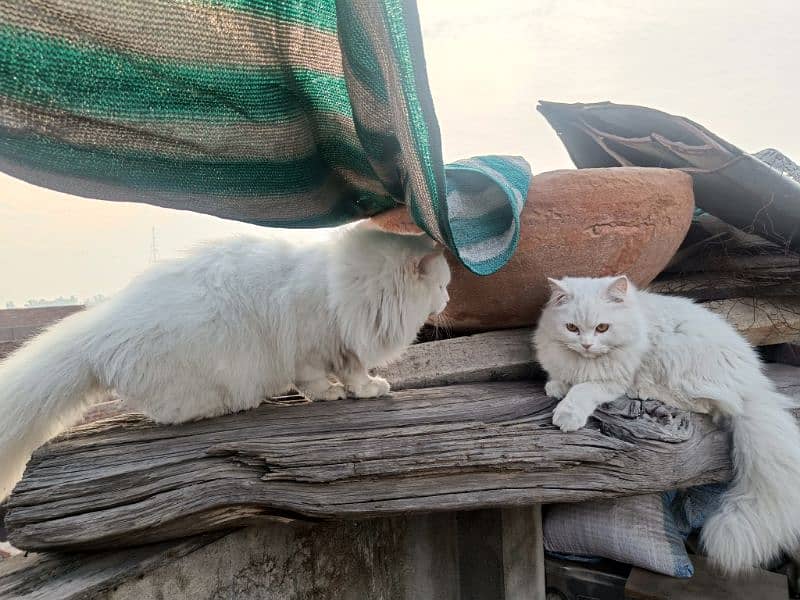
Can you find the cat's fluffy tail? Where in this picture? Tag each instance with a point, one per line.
(44, 388)
(760, 513)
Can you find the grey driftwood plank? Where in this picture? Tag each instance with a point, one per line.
(82, 576)
(763, 321)
(413, 557)
(507, 355)
(493, 356)
(717, 285)
(724, 262)
(127, 481)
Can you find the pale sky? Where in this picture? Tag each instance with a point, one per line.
(731, 65)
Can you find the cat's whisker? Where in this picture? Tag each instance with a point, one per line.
(442, 324)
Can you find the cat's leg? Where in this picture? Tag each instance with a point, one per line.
(556, 388)
(359, 383)
(578, 405)
(313, 382)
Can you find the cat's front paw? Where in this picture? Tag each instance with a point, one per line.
(376, 386)
(639, 393)
(556, 389)
(335, 392)
(569, 416)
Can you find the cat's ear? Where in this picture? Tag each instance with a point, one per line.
(422, 264)
(618, 289)
(559, 294)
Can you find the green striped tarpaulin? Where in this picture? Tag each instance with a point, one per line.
(284, 113)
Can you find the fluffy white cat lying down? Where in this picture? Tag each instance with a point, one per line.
(599, 339)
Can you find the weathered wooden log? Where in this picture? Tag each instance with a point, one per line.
(494, 356)
(706, 584)
(125, 481)
(719, 261)
(82, 576)
(726, 261)
(486, 555)
(763, 321)
(507, 356)
(720, 285)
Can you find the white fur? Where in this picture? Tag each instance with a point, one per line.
(223, 329)
(672, 350)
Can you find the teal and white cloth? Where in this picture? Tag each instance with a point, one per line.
(287, 113)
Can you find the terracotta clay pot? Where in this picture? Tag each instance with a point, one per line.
(397, 220)
(586, 222)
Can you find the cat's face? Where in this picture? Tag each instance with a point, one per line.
(592, 316)
(434, 273)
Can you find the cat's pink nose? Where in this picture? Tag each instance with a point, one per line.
(586, 346)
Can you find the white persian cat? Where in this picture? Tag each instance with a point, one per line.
(599, 339)
(223, 329)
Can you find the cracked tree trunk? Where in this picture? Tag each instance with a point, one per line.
(125, 481)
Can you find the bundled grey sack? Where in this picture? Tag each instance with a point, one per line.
(638, 530)
(647, 531)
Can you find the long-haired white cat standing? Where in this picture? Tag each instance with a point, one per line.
(600, 338)
(223, 329)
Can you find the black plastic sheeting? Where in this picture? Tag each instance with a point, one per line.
(732, 185)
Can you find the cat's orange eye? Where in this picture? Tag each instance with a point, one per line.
(572, 327)
(602, 328)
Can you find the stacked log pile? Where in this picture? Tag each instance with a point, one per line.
(743, 276)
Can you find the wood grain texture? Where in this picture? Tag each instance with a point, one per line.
(523, 553)
(760, 264)
(125, 481)
(706, 584)
(412, 557)
(762, 321)
(401, 558)
(506, 355)
(81, 576)
(495, 356)
(714, 285)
